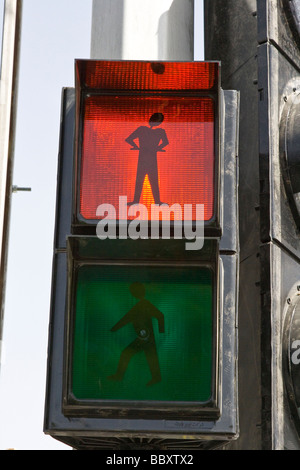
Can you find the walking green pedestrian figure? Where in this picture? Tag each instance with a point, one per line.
(141, 317)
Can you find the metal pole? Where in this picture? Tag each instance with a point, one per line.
(8, 104)
(143, 30)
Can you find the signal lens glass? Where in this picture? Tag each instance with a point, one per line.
(143, 333)
(142, 75)
(149, 149)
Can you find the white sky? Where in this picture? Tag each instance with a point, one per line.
(54, 33)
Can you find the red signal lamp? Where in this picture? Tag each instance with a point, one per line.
(147, 132)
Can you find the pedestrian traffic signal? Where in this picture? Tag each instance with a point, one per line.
(280, 180)
(138, 139)
(142, 332)
(291, 354)
(139, 344)
(258, 44)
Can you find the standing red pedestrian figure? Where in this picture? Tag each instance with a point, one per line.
(151, 141)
